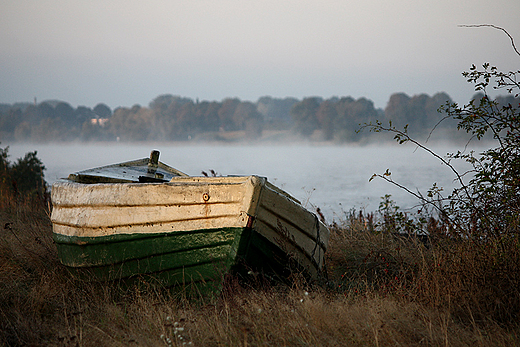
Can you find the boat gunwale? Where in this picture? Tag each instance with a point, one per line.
(181, 181)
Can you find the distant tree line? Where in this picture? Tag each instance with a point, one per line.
(175, 118)
(50, 121)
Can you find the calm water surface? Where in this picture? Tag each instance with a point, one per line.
(333, 178)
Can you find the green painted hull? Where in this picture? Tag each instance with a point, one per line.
(201, 255)
(201, 258)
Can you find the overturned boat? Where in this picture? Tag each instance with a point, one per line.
(144, 218)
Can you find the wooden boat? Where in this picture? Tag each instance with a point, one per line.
(144, 218)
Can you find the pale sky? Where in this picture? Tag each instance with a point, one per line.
(126, 52)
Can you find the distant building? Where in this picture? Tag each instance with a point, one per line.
(98, 121)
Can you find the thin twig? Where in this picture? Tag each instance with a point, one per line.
(419, 197)
(494, 27)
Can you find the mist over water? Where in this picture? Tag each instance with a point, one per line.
(333, 178)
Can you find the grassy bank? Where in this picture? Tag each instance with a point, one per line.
(382, 290)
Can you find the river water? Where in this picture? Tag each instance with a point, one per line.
(331, 177)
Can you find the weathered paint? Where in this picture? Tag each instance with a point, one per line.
(190, 227)
(99, 251)
(149, 256)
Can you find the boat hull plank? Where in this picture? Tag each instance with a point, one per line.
(146, 218)
(175, 262)
(293, 229)
(87, 251)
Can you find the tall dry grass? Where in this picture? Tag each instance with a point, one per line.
(382, 290)
(473, 280)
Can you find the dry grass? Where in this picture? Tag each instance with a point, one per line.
(475, 281)
(382, 291)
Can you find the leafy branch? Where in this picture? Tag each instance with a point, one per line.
(434, 197)
(487, 207)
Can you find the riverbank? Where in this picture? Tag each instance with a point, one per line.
(381, 290)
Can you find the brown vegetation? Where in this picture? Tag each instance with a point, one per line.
(382, 290)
